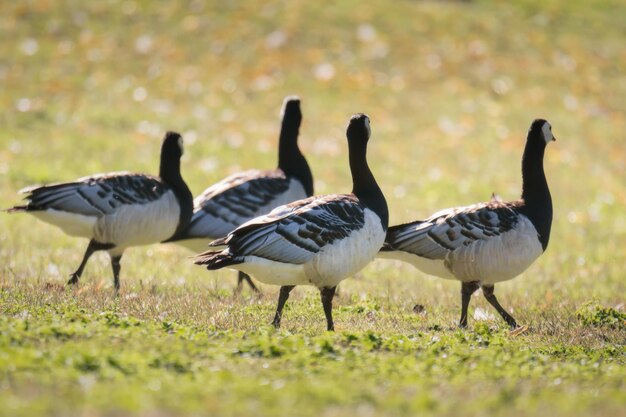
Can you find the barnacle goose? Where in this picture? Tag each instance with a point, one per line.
(243, 196)
(484, 243)
(316, 241)
(117, 210)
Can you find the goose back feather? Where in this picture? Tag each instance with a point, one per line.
(317, 231)
(487, 242)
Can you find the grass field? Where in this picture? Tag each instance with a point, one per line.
(451, 88)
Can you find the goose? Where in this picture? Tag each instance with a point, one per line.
(243, 196)
(485, 243)
(315, 241)
(119, 209)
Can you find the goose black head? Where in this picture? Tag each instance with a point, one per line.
(172, 147)
(359, 130)
(290, 112)
(541, 130)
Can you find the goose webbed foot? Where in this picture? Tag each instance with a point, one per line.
(74, 276)
(467, 289)
(282, 299)
(327, 295)
(491, 297)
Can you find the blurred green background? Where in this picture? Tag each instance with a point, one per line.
(451, 88)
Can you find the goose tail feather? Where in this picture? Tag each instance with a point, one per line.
(217, 260)
(17, 209)
(219, 242)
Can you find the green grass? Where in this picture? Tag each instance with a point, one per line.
(451, 88)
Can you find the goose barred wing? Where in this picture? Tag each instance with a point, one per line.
(450, 229)
(96, 195)
(235, 200)
(295, 232)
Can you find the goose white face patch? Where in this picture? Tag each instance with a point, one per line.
(286, 101)
(180, 146)
(367, 126)
(546, 130)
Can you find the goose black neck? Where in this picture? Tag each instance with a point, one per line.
(169, 172)
(535, 191)
(364, 185)
(290, 159)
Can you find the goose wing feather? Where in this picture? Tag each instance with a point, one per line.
(295, 232)
(453, 228)
(96, 195)
(235, 200)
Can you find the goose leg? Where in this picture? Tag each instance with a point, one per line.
(115, 264)
(242, 276)
(327, 301)
(491, 297)
(282, 299)
(91, 248)
(239, 283)
(467, 289)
